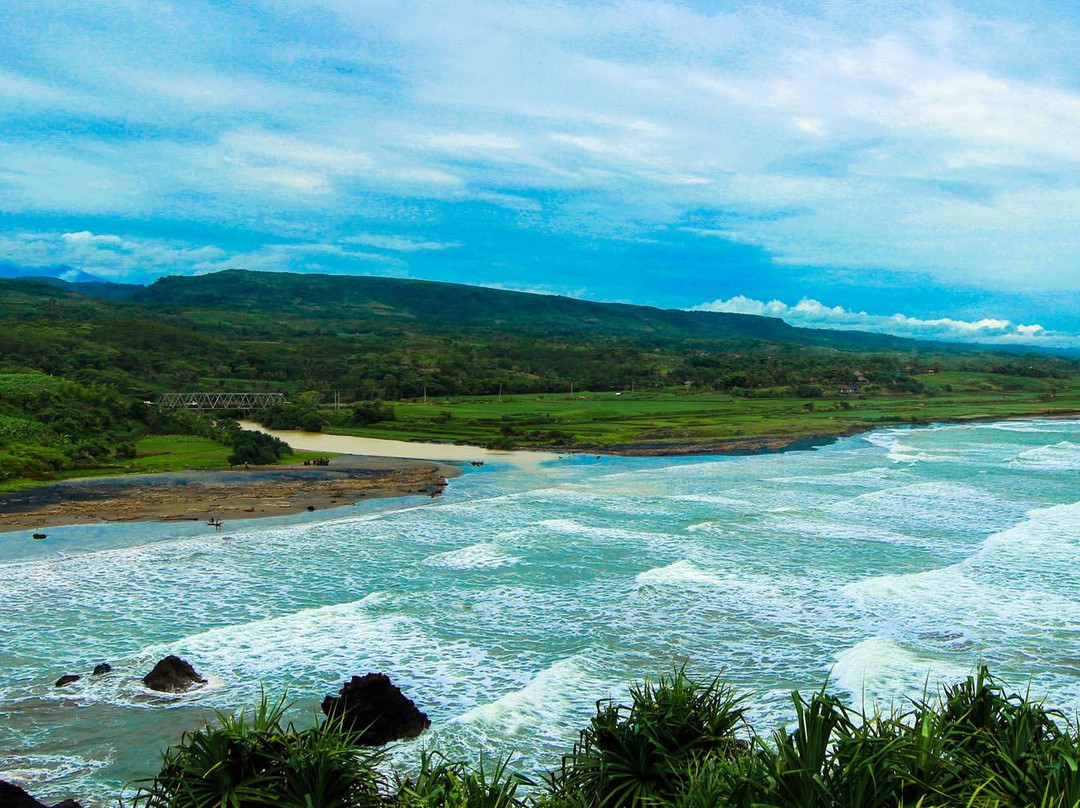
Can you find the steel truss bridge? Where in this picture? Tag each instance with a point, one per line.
(218, 401)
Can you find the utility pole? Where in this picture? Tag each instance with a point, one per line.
(425, 394)
(500, 392)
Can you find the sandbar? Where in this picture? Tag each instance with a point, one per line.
(190, 496)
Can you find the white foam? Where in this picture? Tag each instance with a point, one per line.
(929, 507)
(874, 478)
(813, 526)
(33, 770)
(556, 695)
(678, 574)
(473, 557)
(310, 650)
(1028, 427)
(773, 598)
(594, 534)
(1063, 456)
(878, 670)
(1016, 592)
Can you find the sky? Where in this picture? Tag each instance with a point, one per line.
(910, 167)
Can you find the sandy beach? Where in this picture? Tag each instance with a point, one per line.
(416, 450)
(225, 495)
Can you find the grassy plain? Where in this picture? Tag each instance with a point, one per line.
(156, 454)
(680, 419)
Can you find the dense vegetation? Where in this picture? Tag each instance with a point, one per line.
(458, 363)
(679, 743)
(390, 339)
(50, 425)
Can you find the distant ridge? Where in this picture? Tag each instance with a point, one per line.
(92, 288)
(9, 269)
(382, 301)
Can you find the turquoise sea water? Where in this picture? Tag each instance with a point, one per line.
(508, 607)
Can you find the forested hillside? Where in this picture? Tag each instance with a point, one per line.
(390, 338)
(79, 360)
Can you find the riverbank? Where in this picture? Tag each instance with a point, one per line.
(685, 422)
(531, 457)
(222, 495)
(401, 449)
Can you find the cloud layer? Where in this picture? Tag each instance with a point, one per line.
(657, 151)
(814, 314)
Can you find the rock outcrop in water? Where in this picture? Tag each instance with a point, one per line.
(102, 669)
(173, 675)
(11, 796)
(375, 710)
(63, 681)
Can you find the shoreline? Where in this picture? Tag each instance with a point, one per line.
(766, 444)
(201, 495)
(735, 446)
(268, 491)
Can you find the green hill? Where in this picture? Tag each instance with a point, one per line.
(368, 338)
(428, 305)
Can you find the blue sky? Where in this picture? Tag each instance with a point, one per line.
(904, 166)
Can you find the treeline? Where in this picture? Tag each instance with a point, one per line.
(207, 344)
(49, 424)
(677, 743)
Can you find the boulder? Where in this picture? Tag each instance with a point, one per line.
(102, 669)
(172, 675)
(11, 796)
(66, 679)
(375, 711)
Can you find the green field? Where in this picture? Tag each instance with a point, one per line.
(679, 419)
(156, 454)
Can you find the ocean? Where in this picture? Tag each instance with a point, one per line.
(881, 565)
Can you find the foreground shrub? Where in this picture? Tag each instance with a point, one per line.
(645, 753)
(256, 760)
(679, 743)
(256, 448)
(454, 784)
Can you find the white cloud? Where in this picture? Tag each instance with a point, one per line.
(124, 258)
(898, 136)
(86, 237)
(540, 289)
(469, 142)
(399, 243)
(815, 314)
(111, 256)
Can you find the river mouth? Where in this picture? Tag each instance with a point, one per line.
(380, 447)
(508, 605)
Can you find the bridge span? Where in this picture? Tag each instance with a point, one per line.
(218, 401)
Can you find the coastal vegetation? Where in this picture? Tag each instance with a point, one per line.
(676, 742)
(82, 364)
(688, 420)
(53, 428)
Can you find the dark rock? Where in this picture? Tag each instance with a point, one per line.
(103, 668)
(40, 536)
(172, 675)
(11, 796)
(311, 507)
(66, 679)
(375, 710)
